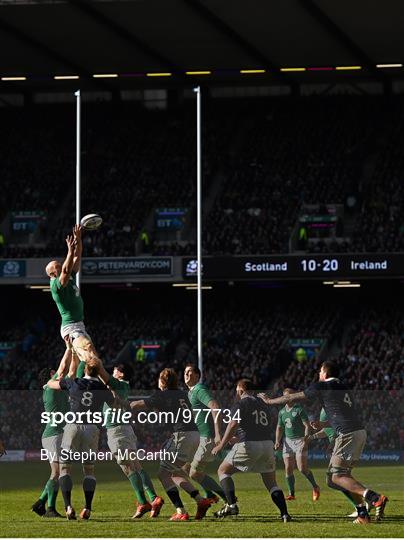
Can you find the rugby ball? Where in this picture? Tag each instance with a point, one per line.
(90, 222)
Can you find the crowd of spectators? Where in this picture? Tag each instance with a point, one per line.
(240, 339)
(268, 157)
(290, 154)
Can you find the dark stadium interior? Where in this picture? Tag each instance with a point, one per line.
(301, 234)
(268, 165)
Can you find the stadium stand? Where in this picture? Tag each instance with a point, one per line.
(255, 181)
(239, 341)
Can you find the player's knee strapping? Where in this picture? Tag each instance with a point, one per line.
(343, 471)
(339, 471)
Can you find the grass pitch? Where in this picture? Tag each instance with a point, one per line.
(21, 484)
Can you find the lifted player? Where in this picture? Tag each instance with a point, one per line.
(67, 296)
(254, 451)
(207, 419)
(343, 416)
(293, 424)
(183, 442)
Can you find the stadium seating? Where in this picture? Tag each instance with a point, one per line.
(242, 338)
(262, 161)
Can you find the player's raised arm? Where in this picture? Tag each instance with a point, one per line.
(287, 398)
(64, 365)
(54, 384)
(74, 364)
(78, 250)
(67, 266)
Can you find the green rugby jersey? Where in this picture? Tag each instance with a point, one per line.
(68, 300)
(292, 421)
(121, 389)
(329, 431)
(54, 401)
(199, 397)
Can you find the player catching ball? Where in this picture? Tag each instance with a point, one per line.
(67, 296)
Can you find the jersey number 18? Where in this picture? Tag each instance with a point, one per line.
(260, 417)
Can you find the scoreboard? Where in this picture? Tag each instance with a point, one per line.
(287, 266)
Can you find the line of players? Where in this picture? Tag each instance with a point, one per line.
(195, 443)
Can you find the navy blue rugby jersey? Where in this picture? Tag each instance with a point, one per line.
(180, 416)
(86, 394)
(254, 419)
(338, 403)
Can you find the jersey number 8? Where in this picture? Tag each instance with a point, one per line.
(87, 399)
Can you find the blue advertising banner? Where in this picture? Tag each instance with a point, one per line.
(12, 269)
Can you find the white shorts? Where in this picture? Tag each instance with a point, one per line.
(252, 456)
(183, 442)
(121, 438)
(74, 330)
(348, 447)
(80, 438)
(294, 447)
(53, 445)
(203, 454)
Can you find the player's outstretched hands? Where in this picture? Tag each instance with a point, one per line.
(77, 232)
(315, 424)
(71, 242)
(263, 396)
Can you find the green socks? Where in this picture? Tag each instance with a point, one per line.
(44, 495)
(290, 480)
(310, 478)
(52, 491)
(147, 485)
(136, 482)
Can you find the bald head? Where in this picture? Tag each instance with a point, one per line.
(53, 269)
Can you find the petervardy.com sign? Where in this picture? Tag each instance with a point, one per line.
(146, 266)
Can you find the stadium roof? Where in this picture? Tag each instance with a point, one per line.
(286, 40)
